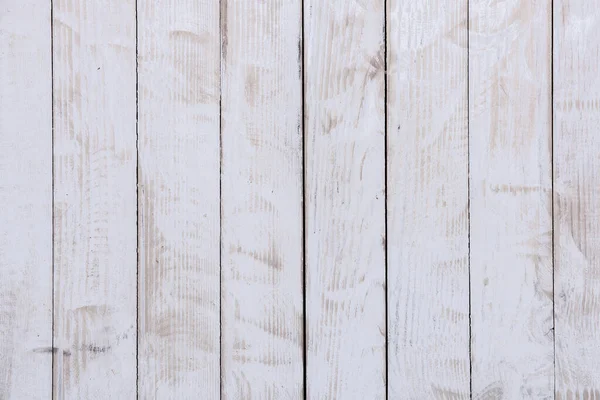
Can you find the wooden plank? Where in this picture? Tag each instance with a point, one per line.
(179, 84)
(345, 210)
(25, 200)
(95, 199)
(577, 198)
(510, 197)
(428, 270)
(262, 274)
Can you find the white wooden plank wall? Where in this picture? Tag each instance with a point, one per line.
(262, 228)
(577, 198)
(345, 200)
(25, 200)
(179, 212)
(427, 197)
(510, 132)
(94, 44)
(231, 199)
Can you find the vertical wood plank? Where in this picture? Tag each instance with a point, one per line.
(345, 211)
(577, 198)
(510, 189)
(25, 200)
(179, 210)
(262, 307)
(428, 270)
(95, 199)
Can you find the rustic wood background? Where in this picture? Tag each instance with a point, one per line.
(287, 199)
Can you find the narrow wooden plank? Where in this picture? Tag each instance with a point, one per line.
(262, 307)
(428, 224)
(577, 198)
(179, 83)
(345, 211)
(510, 195)
(25, 200)
(95, 199)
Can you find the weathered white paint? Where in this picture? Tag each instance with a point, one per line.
(510, 199)
(25, 200)
(260, 66)
(179, 302)
(428, 276)
(262, 310)
(345, 200)
(577, 198)
(95, 199)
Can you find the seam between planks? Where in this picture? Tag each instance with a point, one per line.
(221, 15)
(304, 202)
(469, 193)
(137, 211)
(385, 187)
(552, 192)
(52, 186)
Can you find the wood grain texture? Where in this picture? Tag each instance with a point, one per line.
(428, 270)
(262, 273)
(577, 198)
(345, 210)
(179, 84)
(95, 199)
(25, 200)
(510, 189)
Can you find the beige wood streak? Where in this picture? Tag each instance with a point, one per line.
(25, 200)
(95, 199)
(428, 276)
(577, 198)
(510, 189)
(262, 274)
(179, 65)
(345, 210)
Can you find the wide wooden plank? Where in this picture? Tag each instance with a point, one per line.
(95, 199)
(25, 200)
(577, 198)
(510, 197)
(345, 200)
(428, 270)
(262, 274)
(179, 83)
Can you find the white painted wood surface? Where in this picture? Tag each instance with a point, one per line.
(95, 199)
(179, 212)
(577, 198)
(153, 245)
(345, 200)
(510, 199)
(262, 273)
(427, 200)
(25, 200)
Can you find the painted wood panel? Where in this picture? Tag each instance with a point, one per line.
(262, 258)
(345, 199)
(25, 200)
(510, 198)
(577, 198)
(179, 204)
(95, 199)
(485, 107)
(427, 203)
